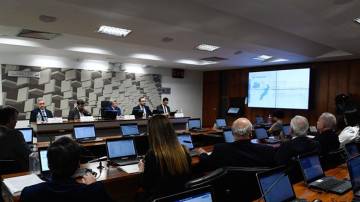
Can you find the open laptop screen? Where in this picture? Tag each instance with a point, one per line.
(43, 161)
(27, 134)
(228, 135)
(233, 110)
(203, 194)
(286, 130)
(129, 129)
(354, 172)
(261, 133)
(194, 123)
(185, 139)
(311, 168)
(276, 187)
(203, 197)
(259, 120)
(84, 132)
(220, 123)
(120, 148)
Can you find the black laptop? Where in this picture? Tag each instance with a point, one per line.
(228, 136)
(28, 134)
(84, 133)
(186, 140)
(275, 186)
(122, 151)
(286, 130)
(261, 135)
(351, 150)
(129, 129)
(195, 125)
(353, 165)
(314, 176)
(220, 123)
(202, 194)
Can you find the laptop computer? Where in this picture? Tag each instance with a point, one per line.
(262, 135)
(122, 151)
(28, 134)
(195, 125)
(202, 194)
(84, 133)
(275, 186)
(353, 165)
(286, 130)
(259, 120)
(314, 176)
(186, 140)
(351, 150)
(129, 129)
(233, 110)
(220, 123)
(228, 136)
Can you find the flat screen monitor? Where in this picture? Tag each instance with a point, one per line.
(220, 123)
(261, 133)
(286, 89)
(194, 123)
(120, 148)
(129, 129)
(84, 132)
(185, 139)
(233, 110)
(228, 136)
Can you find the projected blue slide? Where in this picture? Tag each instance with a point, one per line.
(287, 89)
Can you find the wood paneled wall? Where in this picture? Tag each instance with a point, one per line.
(328, 79)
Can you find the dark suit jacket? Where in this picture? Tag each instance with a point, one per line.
(329, 141)
(13, 147)
(75, 114)
(109, 108)
(241, 153)
(64, 191)
(138, 112)
(295, 147)
(34, 113)
(161, 110)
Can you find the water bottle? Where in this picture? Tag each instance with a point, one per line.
(34, 162)
(269, 120)
(38, 118)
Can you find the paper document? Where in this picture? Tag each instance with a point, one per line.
(133, 168)
(17, 184)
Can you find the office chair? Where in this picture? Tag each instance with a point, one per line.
(209, 179)
(333, 159)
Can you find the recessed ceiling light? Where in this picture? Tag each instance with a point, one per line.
(195, 62)
(279, 60)
(146, 56)
(18, 42)
(89, 50)
(357, 20)
(263, 57)
(134, 68)
(115, 31)
(207, 47)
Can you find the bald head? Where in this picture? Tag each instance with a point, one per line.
(241, 128)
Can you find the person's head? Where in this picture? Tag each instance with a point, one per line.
(299, 126)
(63, 158)
(8, 116)
(167, 149)
(165, 101)
(80, 105)
(326, 121)
(114, 103)
(142, 101)
(41, 103)
(277, 115)
(242, 128)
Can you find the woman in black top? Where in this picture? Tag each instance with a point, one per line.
(167, 165)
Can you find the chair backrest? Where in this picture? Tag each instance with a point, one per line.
(333, 159)
(208, 179)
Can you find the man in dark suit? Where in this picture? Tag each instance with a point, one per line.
(241, 152)
(164, 108)
(328, 139)
(63, 160)
(78, 111)
(41, 112)
(299, 144)
(141, 110)
(14, 152)
(114, 107)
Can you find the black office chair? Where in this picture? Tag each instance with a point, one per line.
(210, 178)
(333, 159)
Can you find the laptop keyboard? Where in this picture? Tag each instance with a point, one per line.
(126, 162)
(330, 183)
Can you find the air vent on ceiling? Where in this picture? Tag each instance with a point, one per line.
(214, 59)
(27, 33)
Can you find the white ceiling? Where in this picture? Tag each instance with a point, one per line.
(298, 30)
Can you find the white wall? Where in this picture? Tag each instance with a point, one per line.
(186, 94)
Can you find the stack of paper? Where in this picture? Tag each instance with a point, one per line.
(17, 184)
(133, 168)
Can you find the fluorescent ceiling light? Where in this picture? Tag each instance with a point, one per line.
(90, 50)
(134, 68)
(207, 47)
(18, 42)
(115, 31)
(47, 61)
(195, 62)
(263, 57)
(279, 60)
(95, 65)
(357, 20)
(146, 56)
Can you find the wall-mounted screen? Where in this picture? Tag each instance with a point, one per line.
(287, 89)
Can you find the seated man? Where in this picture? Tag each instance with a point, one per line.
(164, 108)
(327, 137)
(114, 107)
(63, 160)
(277, 126)
(239, 153)
(14, 152)
(78, 111)
(41, 112)
(141, 110)
(299, 144)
